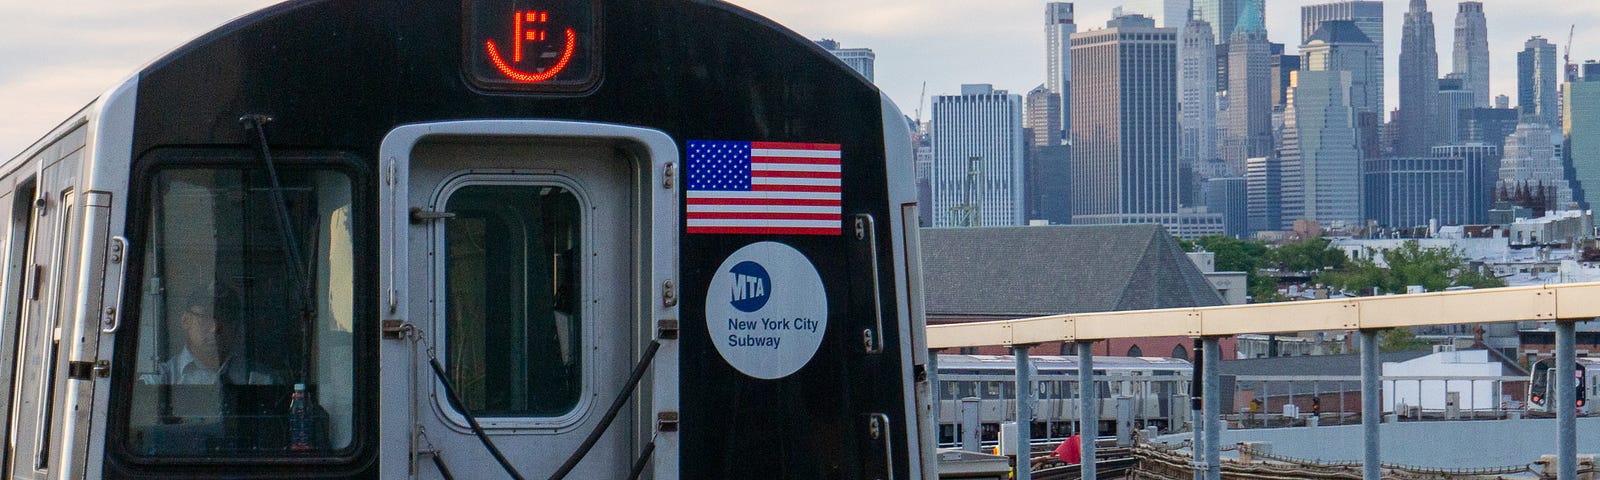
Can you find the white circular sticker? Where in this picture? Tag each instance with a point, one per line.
(766, 310)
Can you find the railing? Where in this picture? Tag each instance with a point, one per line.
(1564, 304)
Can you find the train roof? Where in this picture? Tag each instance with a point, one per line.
(1585, 361)
(1057, 362)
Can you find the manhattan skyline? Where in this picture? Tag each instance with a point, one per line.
(55, 58)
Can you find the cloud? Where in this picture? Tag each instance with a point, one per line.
(56, 56)
(38, 100)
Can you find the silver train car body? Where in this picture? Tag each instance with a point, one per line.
(1158, 389)
(1542, 391)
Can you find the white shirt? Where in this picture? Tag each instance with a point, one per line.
(183, 369)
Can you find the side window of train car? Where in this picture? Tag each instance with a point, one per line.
(513, 309)
(246, 312)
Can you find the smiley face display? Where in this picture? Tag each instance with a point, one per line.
(524, 33)
(527, 45)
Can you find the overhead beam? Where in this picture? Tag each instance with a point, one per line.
(1578, 301)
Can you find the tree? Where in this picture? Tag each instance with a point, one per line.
(1434, 269)
(1234, 255)
(1399, 340)
(1309, 255)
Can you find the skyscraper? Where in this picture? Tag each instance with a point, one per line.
(1482, 166)
(1453, 98)
(1281, 66)
(1049, 183)
(1325, 154)
(1058, 30)
(1368, 17)
(1125, 128)
(1339, 45)
(1488, 126)
(1406, 192)
(1245, 128)
(1536, 81)
(1229, 196)
(1264, 189)
(1197, 97)
(1471, 60)
(1043, 117)
(977, 158)
(1223, 15)
(1166, 13)
(1530, 164)
(1581, 127)
(859, 59)
(1419, 83)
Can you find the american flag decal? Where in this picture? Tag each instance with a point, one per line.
(766, 188)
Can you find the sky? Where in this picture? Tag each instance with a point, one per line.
(56, 57)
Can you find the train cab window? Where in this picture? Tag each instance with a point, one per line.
(246, 315)
(512, 302)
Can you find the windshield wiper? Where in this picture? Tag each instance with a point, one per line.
(302, 286)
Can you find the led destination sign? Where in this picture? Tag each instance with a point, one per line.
(531, 45)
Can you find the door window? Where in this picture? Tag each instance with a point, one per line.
(513, 314)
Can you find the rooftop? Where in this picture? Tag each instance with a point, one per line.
(1052, 270)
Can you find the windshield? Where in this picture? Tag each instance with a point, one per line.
(236, 356)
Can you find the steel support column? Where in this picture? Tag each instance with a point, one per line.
(1197, 410)
(1213, 408)
(1371, 410)
(1089, 410)
(938, 398)
(1566, 381)
(1024, 414)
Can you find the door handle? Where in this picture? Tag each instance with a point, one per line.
(865, 228)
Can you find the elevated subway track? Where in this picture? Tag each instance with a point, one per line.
(1563, 304)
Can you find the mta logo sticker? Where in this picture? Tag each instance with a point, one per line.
(751, 286)
(767, 310)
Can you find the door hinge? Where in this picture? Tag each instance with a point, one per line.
(667, 329)
(667, 421)
(88, 370)
(667, 176)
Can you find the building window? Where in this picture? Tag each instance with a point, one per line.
(1134, 351)
(1180, 353)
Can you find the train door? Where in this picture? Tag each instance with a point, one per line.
(529, 283)
(21, 223)
(44, 315)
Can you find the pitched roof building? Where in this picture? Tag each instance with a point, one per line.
(976, 274)
(1034, 271)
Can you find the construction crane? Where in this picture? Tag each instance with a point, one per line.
(969, 213)
(923, 97)
(1566, 56)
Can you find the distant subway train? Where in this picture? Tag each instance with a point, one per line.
(1541, 391)
(1157, 388)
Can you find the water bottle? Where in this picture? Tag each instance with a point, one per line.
(299, 419)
